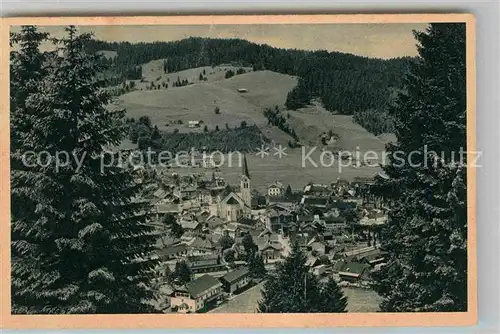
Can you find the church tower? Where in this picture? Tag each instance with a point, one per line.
(246, 190)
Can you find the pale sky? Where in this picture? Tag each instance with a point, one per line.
(372, 40)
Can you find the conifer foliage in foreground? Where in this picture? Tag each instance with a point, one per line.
(294, 289)
(426, 237)
(80, 243)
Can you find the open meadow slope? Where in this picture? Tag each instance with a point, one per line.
(310, 122)
(190, 103)
(154, 72)
(265, 89)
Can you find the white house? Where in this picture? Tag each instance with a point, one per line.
(194, 124)
(275, 189)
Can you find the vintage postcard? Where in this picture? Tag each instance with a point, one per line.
(238, 171)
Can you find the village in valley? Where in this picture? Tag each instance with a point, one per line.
(215, 174)
(218, 241)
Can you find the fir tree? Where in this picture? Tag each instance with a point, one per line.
(80, 243)
(293, 289)
(182, 273)
(155, 134)
(226, 242)
(249, 245)
(256, 265)
(230, 255)
(27, 70)
(427, 231)
(176, 230)
(333, 299)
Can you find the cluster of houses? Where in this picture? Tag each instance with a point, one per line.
(336, 225)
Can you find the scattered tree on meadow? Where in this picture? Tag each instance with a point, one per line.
(145, 120)
(155, 133)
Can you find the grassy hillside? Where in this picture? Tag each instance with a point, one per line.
(171, 109)
(310, 122)
(265, 88)
(153, 71)
(166, 107)
(189, 103)
(344, 83)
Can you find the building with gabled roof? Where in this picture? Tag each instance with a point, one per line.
(353, 271)
(197, 296)
(232, 207)
(275, 189)
(236, 280)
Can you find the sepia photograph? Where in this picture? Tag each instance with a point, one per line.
(266, 167)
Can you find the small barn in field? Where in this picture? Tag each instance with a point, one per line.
(194, 124)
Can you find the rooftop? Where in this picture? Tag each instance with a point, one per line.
(235, 275)
(314, 201)
(172, 250)
(202, 284)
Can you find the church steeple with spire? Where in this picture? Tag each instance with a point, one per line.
(246, 191)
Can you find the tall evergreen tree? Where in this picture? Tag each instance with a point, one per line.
(28, 68)
(80, 243)
(294, 289)
(426, 235)
(182, 273)
(256, 265)
(249, 245)
(333, 299)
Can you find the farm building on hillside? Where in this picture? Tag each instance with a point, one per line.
(194, 124)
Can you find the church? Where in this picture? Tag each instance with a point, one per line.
(237, 205)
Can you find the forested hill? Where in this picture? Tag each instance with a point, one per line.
(344, 82)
